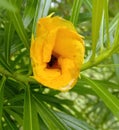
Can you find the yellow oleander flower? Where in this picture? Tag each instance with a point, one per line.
(57, 53)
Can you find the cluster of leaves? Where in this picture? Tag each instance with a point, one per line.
(93, 103)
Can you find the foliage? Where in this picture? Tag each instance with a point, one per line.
(93, 103)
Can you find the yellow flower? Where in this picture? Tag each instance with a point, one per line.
(57, 53)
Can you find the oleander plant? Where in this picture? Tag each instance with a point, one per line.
(59, 65)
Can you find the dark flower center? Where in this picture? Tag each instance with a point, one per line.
(53, 63)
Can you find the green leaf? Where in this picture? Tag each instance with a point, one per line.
(49, 118)
(5, 4)
(18, 24)
(2, 81)
(29, 12)
(84, 17)
(111, 101)
(9, 31)
(9, 122)
(116, 38)
(113, 23)
(107, 22)
(52, 99)
(4, 64)
(100, 44)
(55, 102)
(107, 84)
(42, 9)
(28, 124)
(106, 28)
(116, 61)
(75, 11)
(97, 13)
(88, 3)
(82, 90)
(16, 98)
(17, 117)
(42, 124)
(74, 123)
(30, 116)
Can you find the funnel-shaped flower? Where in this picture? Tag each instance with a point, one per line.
(57, 53)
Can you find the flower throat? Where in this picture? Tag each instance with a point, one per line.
(53, 63)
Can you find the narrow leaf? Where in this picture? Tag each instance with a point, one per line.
(29, 12)
(4, 64)
(111, 101)
(9, 122)
(107, 22)
(18, 24)
(75, 11)
(30, 119)
(88, 3)
(5, 4)
(97, 14)
(17, 117)
(42, 9)
(42, 124)
(49, 118)
(52, 99)
(116, 38)
(116, 61)
(113, 23)
(1, 99)
(9, 31)
(100, 44)
(74, 123)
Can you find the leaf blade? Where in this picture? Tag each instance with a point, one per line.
(48, 117)
(9, 31)
(111, 101)
(75, 11)
(42, 9)
(29, 12)
(1, 99)
(97, 14)
(27, 110)
(30, 115)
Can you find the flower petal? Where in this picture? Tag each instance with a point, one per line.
(49, 23)
(48, 46)
(70, 45)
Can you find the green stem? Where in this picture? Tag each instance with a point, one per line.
(16, 76)
(5, 72)
(96, 61)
